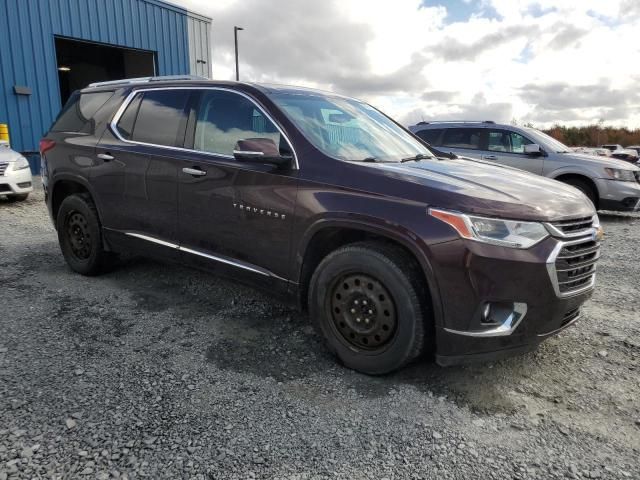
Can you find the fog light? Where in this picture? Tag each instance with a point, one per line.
(486, 313)
(24, 184)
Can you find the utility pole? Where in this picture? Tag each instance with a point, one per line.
(235, 38)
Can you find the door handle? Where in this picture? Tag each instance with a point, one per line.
(196, 172)
(106, 157)
(490, 157)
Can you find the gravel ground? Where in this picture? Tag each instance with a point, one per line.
(158, 371)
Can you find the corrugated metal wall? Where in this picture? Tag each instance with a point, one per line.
(28, 58)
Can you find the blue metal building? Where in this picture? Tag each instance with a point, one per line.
(48, 48)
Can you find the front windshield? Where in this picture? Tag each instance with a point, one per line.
(548, 141)
(347, 129)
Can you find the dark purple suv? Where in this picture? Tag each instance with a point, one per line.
(394, 248)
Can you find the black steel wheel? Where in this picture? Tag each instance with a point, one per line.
(363, 311)
(369, 301)
(80, 235)
(77, 230)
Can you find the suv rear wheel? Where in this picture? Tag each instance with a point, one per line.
(80, 235)
(367, 302)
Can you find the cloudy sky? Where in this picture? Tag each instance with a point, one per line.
(542, 61)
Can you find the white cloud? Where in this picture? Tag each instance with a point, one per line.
(407, 60)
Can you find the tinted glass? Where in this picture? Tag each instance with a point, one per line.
(162, 118)
(462, 138)
(430, 136)
(347, 129)
(77, 113)
(226, 117)
(505, 141)
(128, 119)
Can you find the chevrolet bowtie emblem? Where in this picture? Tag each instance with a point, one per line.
(598, 235)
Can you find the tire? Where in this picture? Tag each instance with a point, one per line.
(80, 236)
(18, 198)
(584, 187)
(356, 277)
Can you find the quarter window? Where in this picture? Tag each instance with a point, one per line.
(505, 141)
(226, 117)
(77, 114)
(462, 138)
(157, 117)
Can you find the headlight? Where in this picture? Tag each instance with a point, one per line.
(617, 174)
(20, 164)
(506, 233)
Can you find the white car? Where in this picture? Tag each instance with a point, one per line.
(15, 175)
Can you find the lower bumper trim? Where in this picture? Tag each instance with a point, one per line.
(451, 360)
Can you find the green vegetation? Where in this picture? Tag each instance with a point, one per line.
(594, 135)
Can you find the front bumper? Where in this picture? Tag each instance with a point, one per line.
(618, 196)
(16, 182)
(472, 274)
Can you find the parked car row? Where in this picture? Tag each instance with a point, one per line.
(396, 244)
(610, 184)
(629, 154)
(15, 175)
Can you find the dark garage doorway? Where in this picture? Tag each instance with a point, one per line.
(80, 63)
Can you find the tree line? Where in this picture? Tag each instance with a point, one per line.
(594, 135)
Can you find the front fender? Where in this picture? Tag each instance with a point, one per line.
(380, 227)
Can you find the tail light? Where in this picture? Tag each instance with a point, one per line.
(46, 145)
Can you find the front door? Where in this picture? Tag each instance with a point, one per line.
(234, 216)
(507, 148)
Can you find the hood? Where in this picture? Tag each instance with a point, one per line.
(6, 154)
(482, 188)
(599, 161)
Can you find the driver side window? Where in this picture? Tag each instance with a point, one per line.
(223, 118)
(508, 142)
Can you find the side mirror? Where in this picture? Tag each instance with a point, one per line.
(532, 149)
(259, 150)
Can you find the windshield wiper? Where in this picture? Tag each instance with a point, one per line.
(375, 160)
(416, 158)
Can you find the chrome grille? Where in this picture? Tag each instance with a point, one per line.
(571, 228)
(3, 167)
(572, 264)
(576, 265)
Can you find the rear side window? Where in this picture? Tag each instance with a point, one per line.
(226, 117)
(128, 118)
(157, 117)
(462, 138)
(77, 114)
(431, 136)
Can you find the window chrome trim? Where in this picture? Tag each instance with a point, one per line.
(504, 329)
(116, 118)
(221, 259)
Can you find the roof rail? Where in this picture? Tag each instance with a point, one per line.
(457, 121)
(127, 81)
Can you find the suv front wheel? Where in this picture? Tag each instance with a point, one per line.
(366, 300)
(80, 235)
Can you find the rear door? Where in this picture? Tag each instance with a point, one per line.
(234, 216)
(463, 141)
(507, 148)
(137, 176)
